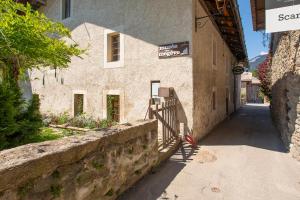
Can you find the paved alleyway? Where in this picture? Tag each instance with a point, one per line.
(242, 159)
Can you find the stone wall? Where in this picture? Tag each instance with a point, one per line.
(98, 165)
(286, 88)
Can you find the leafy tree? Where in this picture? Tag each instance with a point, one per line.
(264, 75)
(28, 40)
(255, 73)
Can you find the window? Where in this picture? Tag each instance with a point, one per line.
(214, 52)
(155, 85)
(113, 108)
(78, 104)
(113, 47)
(214, 100)
(66, 9)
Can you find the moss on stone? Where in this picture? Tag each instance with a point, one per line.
(97, 165)
(25, 189)
(56, 174)
(110, 192)
(138, 172)
(56, 190)
(130, 150)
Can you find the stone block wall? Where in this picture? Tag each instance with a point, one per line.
(286, 88)
(98, 165)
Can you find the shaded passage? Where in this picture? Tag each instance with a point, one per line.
(243, 158)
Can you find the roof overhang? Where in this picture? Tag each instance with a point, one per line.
(229, 25)
(258, 14)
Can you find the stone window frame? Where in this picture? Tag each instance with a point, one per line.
(121, 62)
(61, 10)
(121, 95)
(84, 93)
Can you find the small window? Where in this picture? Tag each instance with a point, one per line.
(113, 108)
(66, 9)
(155, 85)
(113, 47)
(78, 104)
(214, 52)
(214, 100)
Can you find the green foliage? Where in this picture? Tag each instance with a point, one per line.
(25, 189)
(56, 174)
(264, 74)
(19, 120)
(255, 73)
(110, 193)
(80, 121)
(30, 40)
(9, 110)
(55, 190)
(97, 165)
(83, 121)
(63, 118)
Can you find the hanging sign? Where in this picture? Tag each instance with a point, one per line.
(174, 50)
(282, 15)
(238, 70)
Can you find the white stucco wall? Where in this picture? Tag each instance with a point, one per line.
(145, 25)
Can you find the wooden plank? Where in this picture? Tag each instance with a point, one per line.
(160, 118)
(163, 123)
(150, 110)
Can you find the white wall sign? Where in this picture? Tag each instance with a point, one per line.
(282, 15)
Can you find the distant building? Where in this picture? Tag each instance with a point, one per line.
(250, 91)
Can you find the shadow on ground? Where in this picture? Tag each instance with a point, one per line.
(250, 126)
(167, 173)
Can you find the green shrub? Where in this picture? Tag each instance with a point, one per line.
(18, 119)
(63, 118)
(83, 121)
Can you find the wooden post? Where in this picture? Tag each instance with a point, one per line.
(176, 121)
(150, 110)
(163, 124)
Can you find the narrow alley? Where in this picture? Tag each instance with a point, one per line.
(242, 159)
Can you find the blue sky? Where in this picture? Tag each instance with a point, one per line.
(254, 40)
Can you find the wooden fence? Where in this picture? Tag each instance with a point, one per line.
(166, 114)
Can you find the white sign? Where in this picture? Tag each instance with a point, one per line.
(282, 15)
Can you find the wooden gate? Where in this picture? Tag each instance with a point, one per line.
(166, 114)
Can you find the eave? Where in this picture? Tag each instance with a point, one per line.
(258, 14)
(230, 26)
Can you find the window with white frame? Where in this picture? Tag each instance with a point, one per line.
(66, 9)
(78, 104)
(155, 85)
(113, 49)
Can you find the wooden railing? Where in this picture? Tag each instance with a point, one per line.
(166, 114)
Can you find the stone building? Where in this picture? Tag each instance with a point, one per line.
(285, 67)
(135, 47)
(250, 90)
